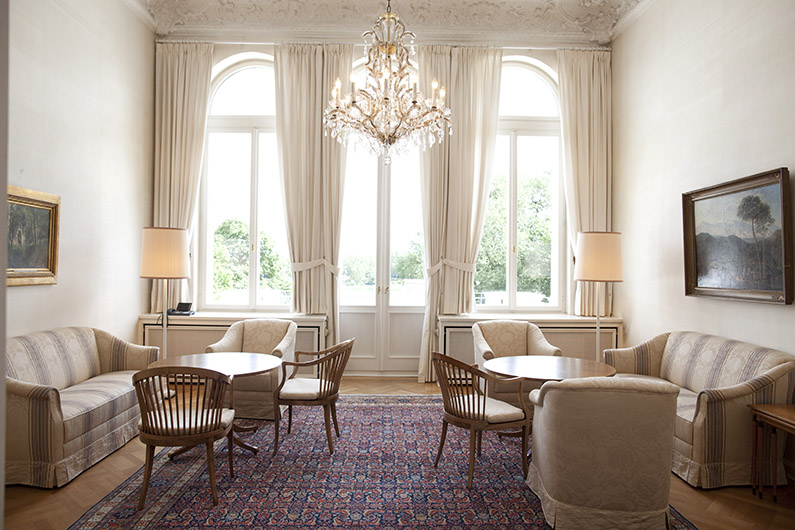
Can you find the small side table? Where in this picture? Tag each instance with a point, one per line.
(777, 417)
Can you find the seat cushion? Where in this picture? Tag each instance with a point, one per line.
(91, 403)
(227, 417)
(501, 412)
(300, 388)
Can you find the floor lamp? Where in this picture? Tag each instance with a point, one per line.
(165, 256)
(598, 259)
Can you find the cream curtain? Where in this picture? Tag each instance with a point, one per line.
(455, 181)
(312, 167)
(182, 90)
(586, 114)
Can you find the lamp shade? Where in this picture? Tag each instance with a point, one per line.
(164, 253)
(598, 257)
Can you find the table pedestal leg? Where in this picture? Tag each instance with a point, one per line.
(754, 456)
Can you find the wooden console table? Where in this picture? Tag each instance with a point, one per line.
(777, 417)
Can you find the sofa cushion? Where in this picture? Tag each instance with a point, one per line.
(91, 403)
(697, 361)
(60, 357)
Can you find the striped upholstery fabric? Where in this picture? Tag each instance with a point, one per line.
(59, 358)
(70, 398)
(718, 378)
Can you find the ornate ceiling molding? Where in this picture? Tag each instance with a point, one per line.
(551, 23)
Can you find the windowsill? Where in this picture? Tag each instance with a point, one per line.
(547, 318)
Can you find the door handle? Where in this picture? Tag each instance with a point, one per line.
(386, 291)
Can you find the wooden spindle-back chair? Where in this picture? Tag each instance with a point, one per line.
(183, 407)
(467, 405)
(313, 392)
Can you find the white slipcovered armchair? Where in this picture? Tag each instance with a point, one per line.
(254, 394)
(602, 449)
(505, 338)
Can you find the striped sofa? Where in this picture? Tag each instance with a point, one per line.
(69, 402)
(718, 379)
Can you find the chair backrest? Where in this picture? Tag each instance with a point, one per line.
(262, 335)
(180, 401)
(59, 357)
(505, 337)
(331, 366)
(464, 389)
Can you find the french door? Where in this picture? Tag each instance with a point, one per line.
(382, 286)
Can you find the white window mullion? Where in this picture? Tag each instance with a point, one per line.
(511, 271)
(253, 215)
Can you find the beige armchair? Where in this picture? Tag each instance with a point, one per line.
(602, 449)
(254, 394)
(505, 338)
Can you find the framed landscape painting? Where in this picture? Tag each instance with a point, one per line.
(33, 218)
(737, 239)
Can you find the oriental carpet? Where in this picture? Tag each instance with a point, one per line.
(380, 476)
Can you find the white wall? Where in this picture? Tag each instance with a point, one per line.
(703, 93)
(81, 120)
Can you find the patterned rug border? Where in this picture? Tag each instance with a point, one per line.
(157, 509)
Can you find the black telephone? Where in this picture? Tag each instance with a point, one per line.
(183, 309)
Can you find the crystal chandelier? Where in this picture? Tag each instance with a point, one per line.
(388, 113)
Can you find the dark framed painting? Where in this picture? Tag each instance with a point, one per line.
(737, 238)
(33, 218)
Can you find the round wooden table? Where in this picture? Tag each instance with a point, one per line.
(547, 367)
(230, 363)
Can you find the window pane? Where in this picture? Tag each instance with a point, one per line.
(490, 278)
(537, 177)
(525, 93)
(359, 229)
(248, 92)
(407, 258)
(228, 187)
(275, 278)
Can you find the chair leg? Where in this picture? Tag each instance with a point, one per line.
(289, 418)
(276, 422)
(230, 439)
(524, 451)
(211, 469)
(334, 417)
(441, 443)
(150, 454)
(480, 440)
(472, 442)
(327, 418)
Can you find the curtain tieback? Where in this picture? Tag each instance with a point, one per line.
(460, 265)
(306, 265)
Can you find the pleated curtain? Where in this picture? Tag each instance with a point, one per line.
(312, 169)
(455, 181)
(586, 115)
(182, 90)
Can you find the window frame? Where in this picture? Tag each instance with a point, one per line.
(514, 127)
(253, 125)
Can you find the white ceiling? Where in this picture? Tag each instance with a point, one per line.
(549, 23)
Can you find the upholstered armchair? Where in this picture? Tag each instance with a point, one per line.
(254, 394)
(602, 449)
(505, 338)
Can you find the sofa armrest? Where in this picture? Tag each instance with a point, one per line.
(537, 343)
(286, 348)
(231, 341)
(116, 354)
(722, 421)
(483, 351)
(37, 434)
(643, 359)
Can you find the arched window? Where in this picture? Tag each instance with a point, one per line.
(520, 262)
(244, 259)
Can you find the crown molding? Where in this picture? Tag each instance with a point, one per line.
(631, 16)
(537, 23)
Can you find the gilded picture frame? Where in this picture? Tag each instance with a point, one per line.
(33, 224)
(737, 239)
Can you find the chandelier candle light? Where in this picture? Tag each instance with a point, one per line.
(388, 113)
